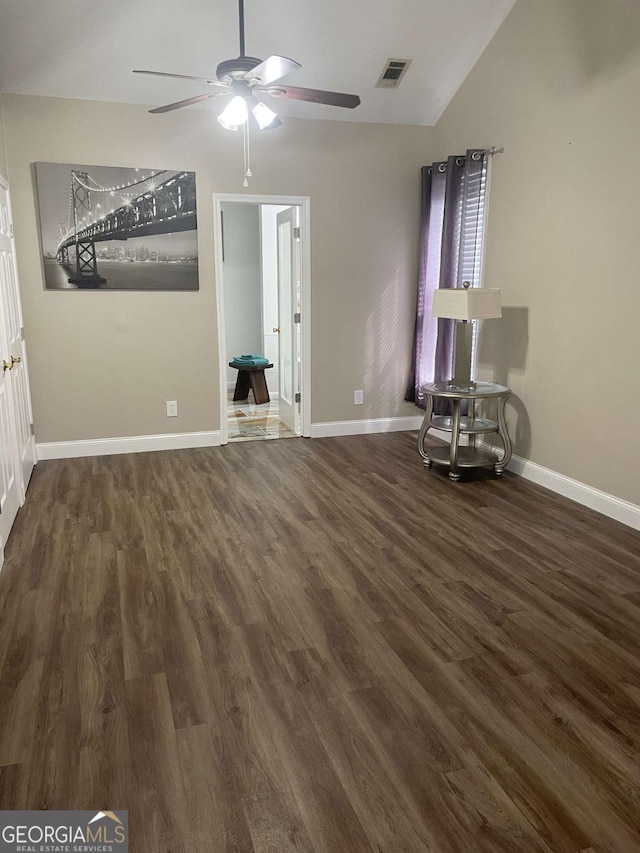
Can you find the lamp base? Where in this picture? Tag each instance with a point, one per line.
(462, 352)
(461, 384)
(462, 345)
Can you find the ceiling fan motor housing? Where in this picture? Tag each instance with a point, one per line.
(235, 69)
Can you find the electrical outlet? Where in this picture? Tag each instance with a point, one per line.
(172, 408)
(358, 398)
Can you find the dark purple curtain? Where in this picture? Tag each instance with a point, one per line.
(448, 190)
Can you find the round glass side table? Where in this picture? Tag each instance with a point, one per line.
(456, 457)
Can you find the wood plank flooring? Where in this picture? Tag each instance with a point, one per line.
(321, 646)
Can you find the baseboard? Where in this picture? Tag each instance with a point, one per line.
(330, 429)
(126, 444)
(410, 423)
(602, 502)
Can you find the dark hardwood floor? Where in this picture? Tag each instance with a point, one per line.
(321, 646)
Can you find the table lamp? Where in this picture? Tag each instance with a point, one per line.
(464, 304)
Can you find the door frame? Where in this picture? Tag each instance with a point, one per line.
(304, 205)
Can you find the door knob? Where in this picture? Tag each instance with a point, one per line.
(15, 360)
(276, 329)
(6, 366)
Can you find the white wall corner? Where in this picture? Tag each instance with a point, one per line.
(127, 444)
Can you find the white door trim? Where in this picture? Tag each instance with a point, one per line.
(304, 204)
(288, 255)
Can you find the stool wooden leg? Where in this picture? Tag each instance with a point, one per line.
(259, 385)
(242, 386)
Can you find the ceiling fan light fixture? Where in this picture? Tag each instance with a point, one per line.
(246, 77)
(234, 114)
(266, 118)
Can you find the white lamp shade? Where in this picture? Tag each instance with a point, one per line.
(265, 117)
(234, 114)
(462, 303)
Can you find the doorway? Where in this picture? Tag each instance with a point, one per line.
(263, 289)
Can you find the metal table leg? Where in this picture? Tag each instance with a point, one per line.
(426, 424)
(454, 473)
(503, 432)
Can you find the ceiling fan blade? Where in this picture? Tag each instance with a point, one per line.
(271, 69)
(315, 96)
(182, 77)
(187, 102)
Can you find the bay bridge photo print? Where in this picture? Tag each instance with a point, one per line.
(112, 228)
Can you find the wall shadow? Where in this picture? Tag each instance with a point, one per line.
(607, 34)
(502, 349)
(503, 345)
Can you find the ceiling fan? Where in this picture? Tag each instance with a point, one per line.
(249, 80)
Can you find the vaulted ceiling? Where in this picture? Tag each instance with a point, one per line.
(88, 48)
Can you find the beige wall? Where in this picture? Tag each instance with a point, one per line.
(3, 158)
(558, 87)
(103, 363)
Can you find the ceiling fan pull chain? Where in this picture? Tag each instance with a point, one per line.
(245, 182)
(249, 172)
(247, 156)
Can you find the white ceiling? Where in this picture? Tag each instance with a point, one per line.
(87, 48)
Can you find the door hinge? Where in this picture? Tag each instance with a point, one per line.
(297, 396)
(32, 429)
(296, 232)
(11, 230)
(21, 333)
(296, 317)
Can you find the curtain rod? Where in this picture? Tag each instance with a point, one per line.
(493, 150)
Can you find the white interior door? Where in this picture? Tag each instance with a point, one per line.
(288, 307)
(9, 488)
(18, 443)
